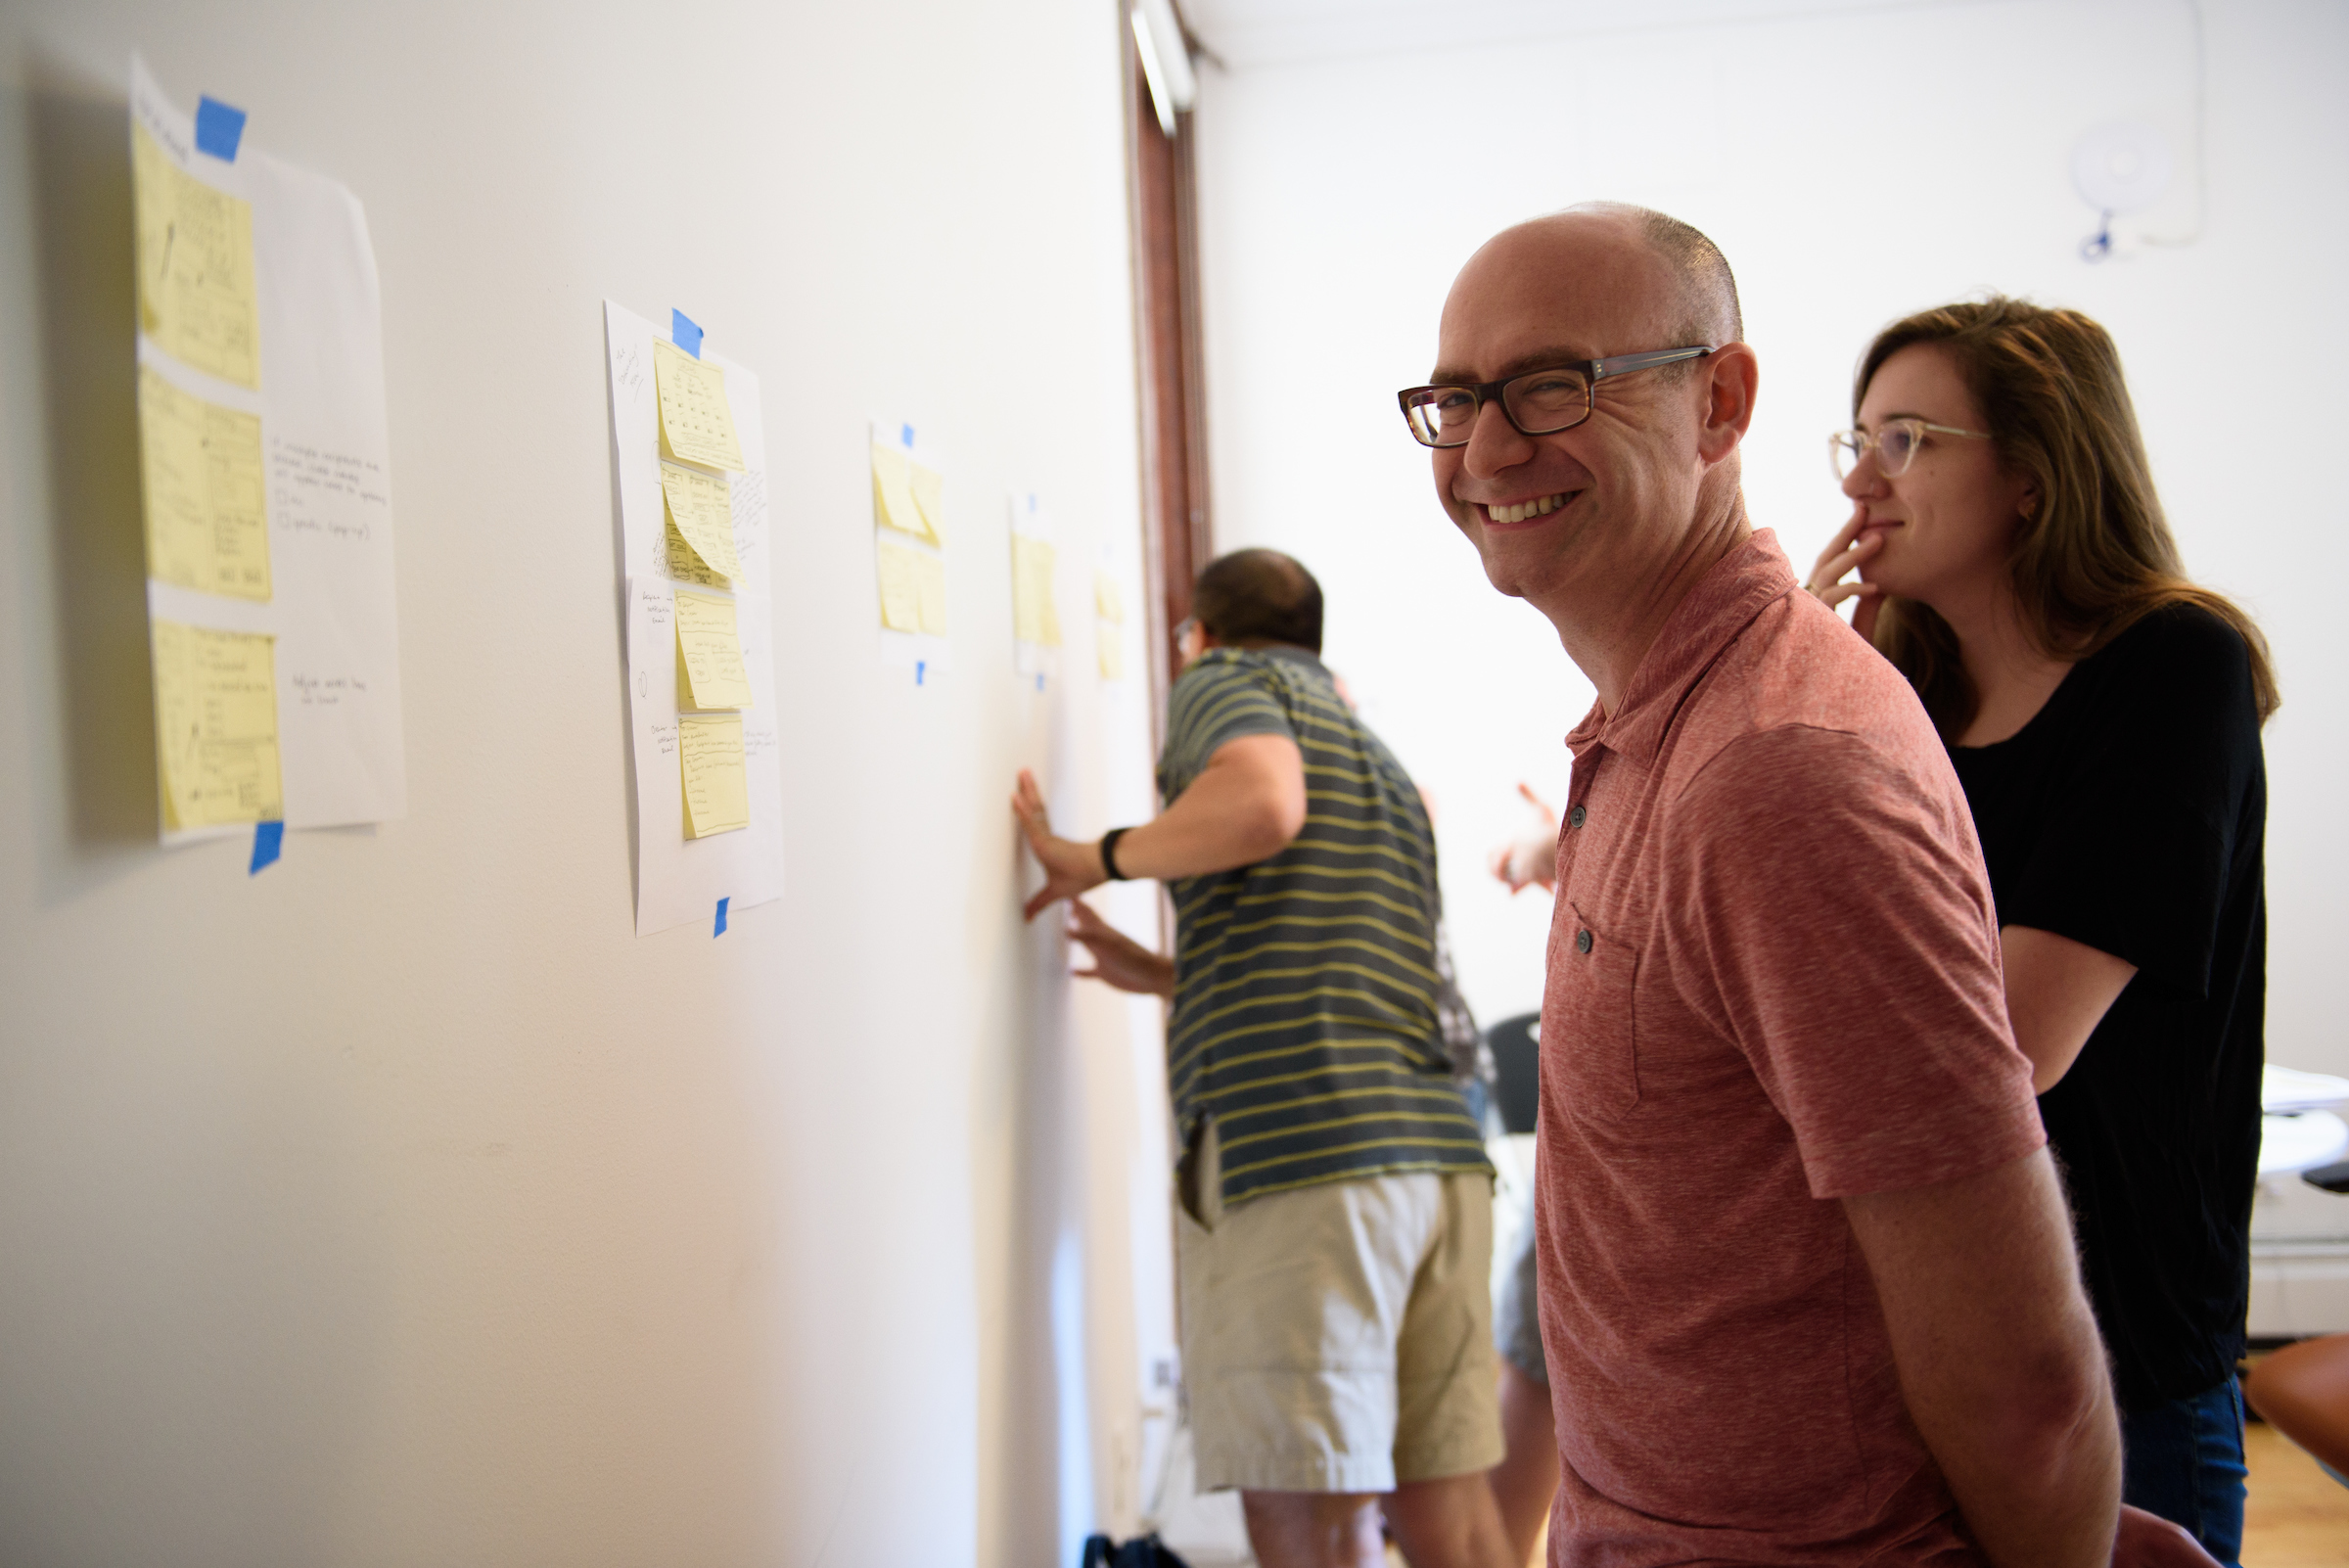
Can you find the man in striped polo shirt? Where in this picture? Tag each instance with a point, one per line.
(1336, 1232)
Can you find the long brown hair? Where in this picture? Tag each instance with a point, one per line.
(2096, 555)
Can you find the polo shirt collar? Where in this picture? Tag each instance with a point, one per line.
(1294, 655)
(1724, 603)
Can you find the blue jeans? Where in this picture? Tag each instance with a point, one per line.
(2184, 1460)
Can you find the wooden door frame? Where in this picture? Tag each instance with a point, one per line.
(1177, 527)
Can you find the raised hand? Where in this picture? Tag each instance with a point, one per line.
(1843, 554)
(1531, 858)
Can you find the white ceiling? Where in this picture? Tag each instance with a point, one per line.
(1244, 33)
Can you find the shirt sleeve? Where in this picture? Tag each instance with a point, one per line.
(1836, 901)
(1219, 698)
(2138, 831)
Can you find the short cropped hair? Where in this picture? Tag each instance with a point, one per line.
(1706, 308)
(1259, 596)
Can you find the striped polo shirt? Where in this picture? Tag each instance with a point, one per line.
(1305, 985)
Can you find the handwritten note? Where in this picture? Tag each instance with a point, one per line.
(1036, 618)
(717, 795)
(194, 256)
(709, 671)
(697, 424)
(679, 562)
(701, 509)
(332, 494)
(215, 726)
(900, 587)
(929, 488)
(894, 505)
(201, 466)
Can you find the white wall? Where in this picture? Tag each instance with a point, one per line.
(400, 1205)
(1854, 167)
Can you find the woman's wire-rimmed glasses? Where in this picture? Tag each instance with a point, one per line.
(1539, 402)
(1895, 445)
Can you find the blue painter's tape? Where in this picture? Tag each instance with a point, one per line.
(918, 664)
(219, 128)
(1040, 680)
(268, 842)
(722, 918)
(684, 333)
(910, 438)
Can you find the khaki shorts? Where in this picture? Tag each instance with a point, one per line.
(1339, 1337)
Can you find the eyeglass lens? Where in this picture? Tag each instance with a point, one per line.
(1895, 447)
(1539, 403)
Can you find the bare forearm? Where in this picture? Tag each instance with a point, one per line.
(2000, 1361)
(1245, 805)
(2043, 1493)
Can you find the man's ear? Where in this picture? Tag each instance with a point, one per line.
(1733, 374)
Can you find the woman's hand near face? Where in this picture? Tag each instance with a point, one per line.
(1840, 557)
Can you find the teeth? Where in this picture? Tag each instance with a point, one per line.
(1530, 509)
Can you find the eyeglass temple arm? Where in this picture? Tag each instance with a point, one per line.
(1625, 364)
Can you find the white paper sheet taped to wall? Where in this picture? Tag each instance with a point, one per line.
(265, 467)
(709, 818)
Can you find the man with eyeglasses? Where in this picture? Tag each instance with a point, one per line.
(1807, 1281)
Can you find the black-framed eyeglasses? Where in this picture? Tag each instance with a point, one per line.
(1539, 402)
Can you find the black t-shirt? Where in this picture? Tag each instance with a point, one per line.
(2130, 814)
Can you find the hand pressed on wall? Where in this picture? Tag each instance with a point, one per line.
(1069, 867)
(1118, 960)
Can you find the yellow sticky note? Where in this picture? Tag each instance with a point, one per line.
(930, 579)
(1035, 617)
(709, 671)
(718, 785)
(929, 488)
(900, 587)
(195, 255)
(1108, 603)
(697, 424)
(893, 494)
(702, 508)
(684, 565)
(215, 726)
(201, 469)
(1109, 639)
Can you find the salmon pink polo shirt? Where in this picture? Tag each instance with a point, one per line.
(1774, 982)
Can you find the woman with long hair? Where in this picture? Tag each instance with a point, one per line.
(2104, 713)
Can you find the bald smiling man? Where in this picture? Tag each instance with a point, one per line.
(1807, 1287)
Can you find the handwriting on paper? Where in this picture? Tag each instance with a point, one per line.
(697, 424)
(216, 726)
(717, 797)
(334, 495)
(698, 506)
(709, 666)
(206, 522)
(194, 245)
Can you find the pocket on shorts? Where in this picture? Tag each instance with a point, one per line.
(1588, 1039)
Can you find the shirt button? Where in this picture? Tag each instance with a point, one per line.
(1574, 818)
(1582, 942)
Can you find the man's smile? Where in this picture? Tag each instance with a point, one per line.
(1526, 511)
